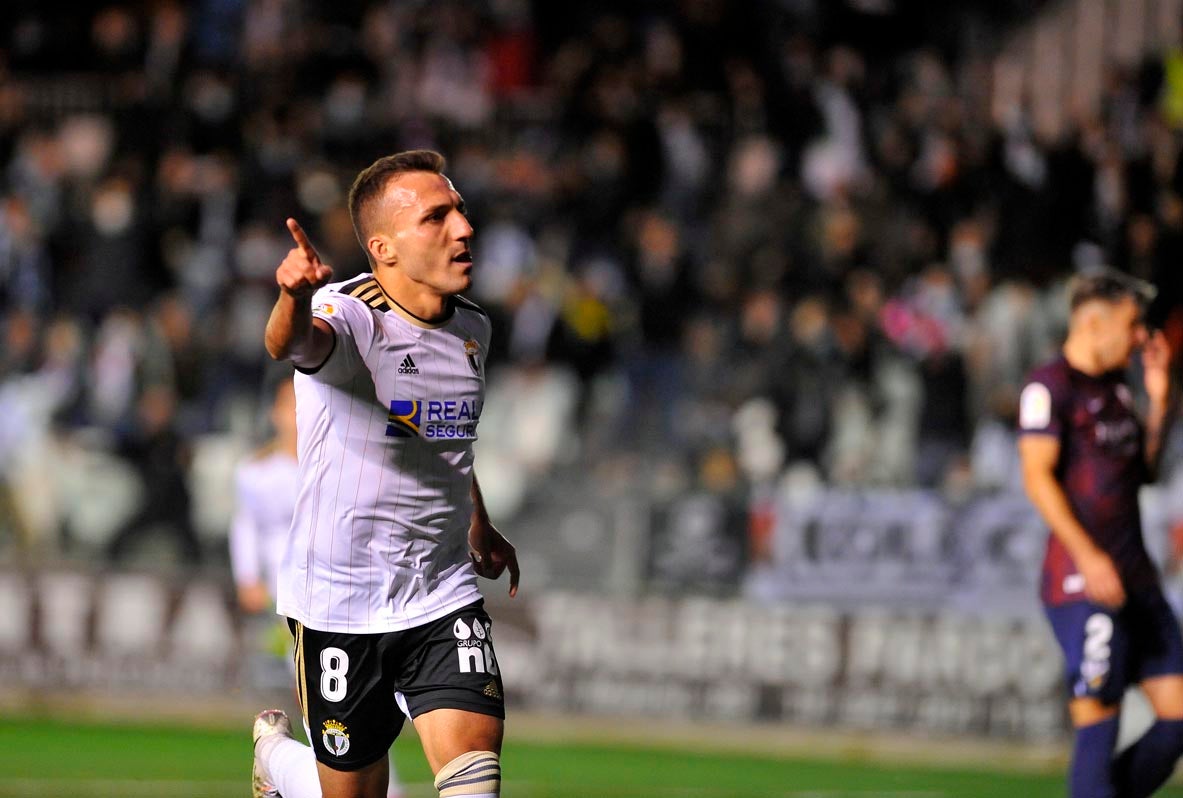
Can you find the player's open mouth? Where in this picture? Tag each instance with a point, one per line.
(463, 257)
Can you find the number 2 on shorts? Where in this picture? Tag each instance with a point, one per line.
(1098, 631)
(334, 663)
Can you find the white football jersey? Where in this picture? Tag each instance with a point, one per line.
(379, 539)
(265, 488)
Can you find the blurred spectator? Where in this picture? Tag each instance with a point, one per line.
(161, 456)
(698, 543)
(698, 208)
(25, 267)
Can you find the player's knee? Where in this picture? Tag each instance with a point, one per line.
(476, 773)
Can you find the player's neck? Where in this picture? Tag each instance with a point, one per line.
(1083, 357)
(411, 301)
(286, 444)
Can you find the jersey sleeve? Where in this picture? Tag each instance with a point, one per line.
(1041, 408)
(354, 329)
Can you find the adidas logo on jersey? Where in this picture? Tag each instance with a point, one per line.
(408, 366)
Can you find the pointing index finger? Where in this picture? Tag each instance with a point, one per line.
(302, 240)
(514, 574)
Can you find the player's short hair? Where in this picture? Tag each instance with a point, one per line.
(371, 182)
(1109, 285)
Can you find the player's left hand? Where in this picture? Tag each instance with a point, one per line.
(1156, 363)
(492, 554)
(253, 598)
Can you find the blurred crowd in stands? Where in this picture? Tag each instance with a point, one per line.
(720, 235)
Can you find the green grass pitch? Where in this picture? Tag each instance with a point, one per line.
(52, 758)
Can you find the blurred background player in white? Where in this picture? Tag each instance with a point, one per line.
(379, 577)
(265, 486)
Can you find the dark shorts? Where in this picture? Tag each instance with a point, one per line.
(1106, 651)
(347, 682)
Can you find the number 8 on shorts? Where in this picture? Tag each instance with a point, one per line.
(334, 664)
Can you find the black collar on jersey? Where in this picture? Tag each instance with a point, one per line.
(371, 292)
(449, 309)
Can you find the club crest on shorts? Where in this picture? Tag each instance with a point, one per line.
(472, 350)
(335, 737)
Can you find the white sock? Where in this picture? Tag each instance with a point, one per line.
(292, 768)
(395, 789)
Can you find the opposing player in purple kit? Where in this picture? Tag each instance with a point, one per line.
(1085, 452)
(379, 576)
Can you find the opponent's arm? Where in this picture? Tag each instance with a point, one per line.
(292, 332)
(491, 552)
(1156, 362)
(1039, 455)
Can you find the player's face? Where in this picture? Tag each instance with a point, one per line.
(429, 232)
(1122, 332)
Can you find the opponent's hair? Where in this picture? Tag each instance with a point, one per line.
(1109, 285)
(371, 183)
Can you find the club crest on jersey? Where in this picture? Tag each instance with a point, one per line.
(1124, 396)
(335, 737)
(472, 350)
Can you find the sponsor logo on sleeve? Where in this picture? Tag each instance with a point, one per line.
(1035, 407)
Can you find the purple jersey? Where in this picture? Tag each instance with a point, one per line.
(1102, 464)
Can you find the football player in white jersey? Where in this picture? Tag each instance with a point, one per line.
(378, 580)
(265, 487)
(265, 492)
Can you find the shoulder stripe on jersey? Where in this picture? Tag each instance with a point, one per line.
(468, 304)
(368, 291)
(347, 288)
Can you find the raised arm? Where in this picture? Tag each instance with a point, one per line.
(292, 332)
(1156, 363)
(1039, 455)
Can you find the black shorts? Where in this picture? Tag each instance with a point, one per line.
(347, 682)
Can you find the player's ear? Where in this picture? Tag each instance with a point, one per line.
(381, 249)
